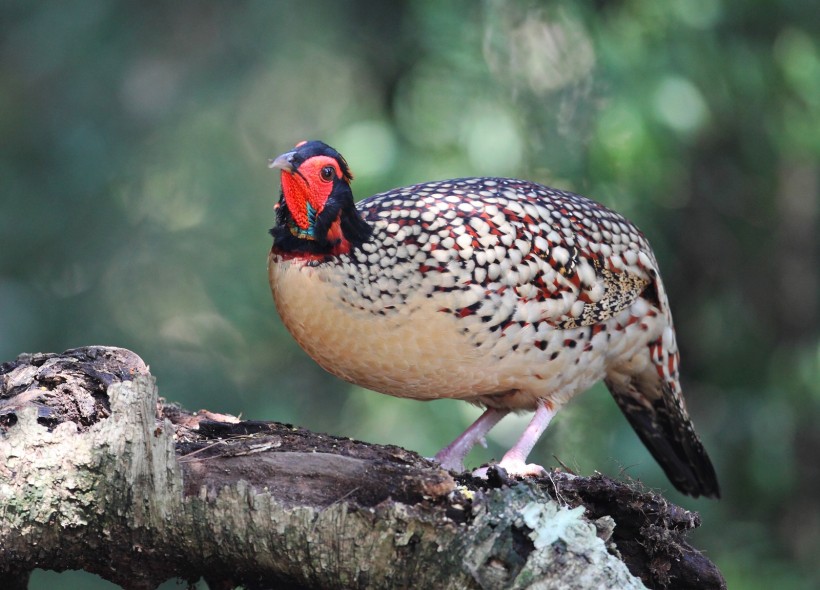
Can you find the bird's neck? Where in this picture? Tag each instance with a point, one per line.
(334, 236)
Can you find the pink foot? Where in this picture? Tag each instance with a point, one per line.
(514, 468)
(513, 460)
(452, 456)
(449, 463)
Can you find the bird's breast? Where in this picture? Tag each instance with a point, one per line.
(412, 351)
(413, 346)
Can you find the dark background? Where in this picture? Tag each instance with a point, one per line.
(136, 199)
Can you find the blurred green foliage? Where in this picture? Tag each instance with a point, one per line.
(136, 199)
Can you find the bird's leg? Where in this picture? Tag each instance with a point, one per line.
(513, 460)
(452, 456)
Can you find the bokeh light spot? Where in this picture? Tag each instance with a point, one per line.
(371, 145)
(492, 141)
(679, 104)
(698, 14)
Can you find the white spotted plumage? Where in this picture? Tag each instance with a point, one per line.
(487, 260)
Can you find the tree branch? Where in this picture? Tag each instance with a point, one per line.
(98, 474)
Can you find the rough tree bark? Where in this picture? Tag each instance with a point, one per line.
(98, 474)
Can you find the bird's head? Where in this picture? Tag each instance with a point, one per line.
(315, 213)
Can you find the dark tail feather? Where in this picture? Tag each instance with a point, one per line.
(664, 427)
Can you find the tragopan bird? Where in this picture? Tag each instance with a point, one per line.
(500, 292)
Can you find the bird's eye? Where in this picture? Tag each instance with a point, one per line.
(327, 173)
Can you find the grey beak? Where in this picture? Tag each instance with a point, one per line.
(283, 162)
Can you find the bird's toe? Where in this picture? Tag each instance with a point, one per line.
(513, 469)
(518, 468)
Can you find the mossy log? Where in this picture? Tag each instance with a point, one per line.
(98, 474)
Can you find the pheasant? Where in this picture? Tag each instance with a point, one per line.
(504, 293)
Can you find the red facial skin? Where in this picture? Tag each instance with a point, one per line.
(307, 185)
